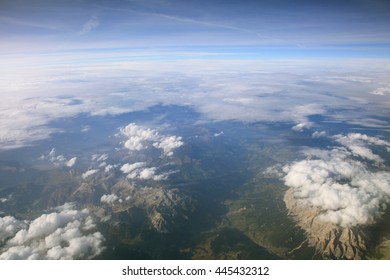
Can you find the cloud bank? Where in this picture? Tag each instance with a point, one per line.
(66, 233)
(32, 100)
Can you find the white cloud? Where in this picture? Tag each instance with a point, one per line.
(137, 171)
(71, 162)
(357, 144)
(25, 119)
(109, 167)
(99, 157)
(128, 168)
(274, 171)
(89, 173)
(385, 90)
(90, 25)
(318, 134)
(9, 226)
(109, 198)
(86, 128)
(334, 196)
(64, 234)
(59, 160)
(148, 173)
(168, 144)
(301, 126)
(238, 100)
(99, 162)
(79, 247)
(31, 100)
(363, 137)
(344, 191)
(140, 138)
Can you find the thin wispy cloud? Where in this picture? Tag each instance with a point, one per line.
(208, 23)
(91, 24)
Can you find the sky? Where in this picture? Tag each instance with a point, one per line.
(85, 31)
(96, 57)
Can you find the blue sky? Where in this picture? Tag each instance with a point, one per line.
(78, 30)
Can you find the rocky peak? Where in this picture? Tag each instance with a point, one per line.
(330, 240)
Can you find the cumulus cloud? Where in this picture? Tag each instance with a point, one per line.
(9, 226)
(140, 138)
(98, 163)
(109, 167)
(168, 144)
(150, 173)
(364, 137)
(139, 171)
(301, 126)
(59, 160)
(358, 144)
(71, 162)
(109, 198)
(128, 168)
(66, 233)
(89, 173)
(344, 190)
(299, 114)
(52, 157)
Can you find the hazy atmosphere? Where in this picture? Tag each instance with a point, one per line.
(194, 129)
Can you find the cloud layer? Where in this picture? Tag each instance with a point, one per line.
(32, 100)
(65, 234)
